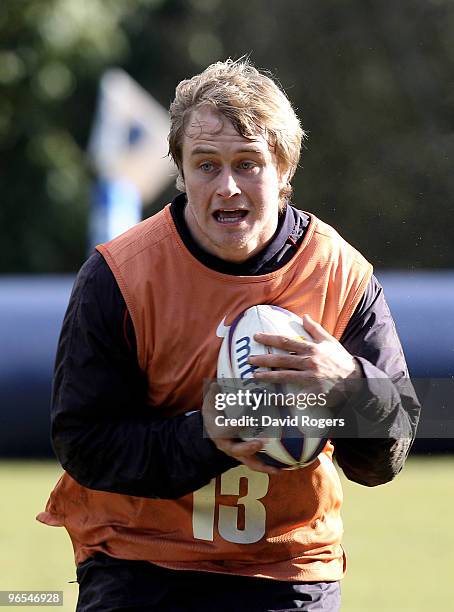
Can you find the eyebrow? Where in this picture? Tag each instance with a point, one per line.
(201, 150)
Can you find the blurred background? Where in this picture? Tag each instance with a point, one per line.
(373, 84)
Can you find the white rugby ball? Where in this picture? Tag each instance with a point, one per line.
(287, 446)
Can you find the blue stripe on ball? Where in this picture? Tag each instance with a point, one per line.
(273, 462)
(294, 447)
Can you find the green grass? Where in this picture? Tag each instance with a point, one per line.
(399, 538)
(32, 555)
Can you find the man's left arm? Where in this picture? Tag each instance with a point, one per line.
(390, 400)
(368, 368)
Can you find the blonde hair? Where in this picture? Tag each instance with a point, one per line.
(251, 100)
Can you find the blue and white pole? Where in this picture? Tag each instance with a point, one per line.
(116, 206)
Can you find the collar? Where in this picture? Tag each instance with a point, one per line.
(288, 234)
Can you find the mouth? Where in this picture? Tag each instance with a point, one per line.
(230, 215)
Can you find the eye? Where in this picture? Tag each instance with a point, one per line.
(206, 166)
(247, 165)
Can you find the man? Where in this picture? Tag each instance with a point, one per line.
(161, 516)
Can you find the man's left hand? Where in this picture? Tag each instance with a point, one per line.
(324, 359)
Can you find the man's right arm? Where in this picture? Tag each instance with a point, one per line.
(104, 433)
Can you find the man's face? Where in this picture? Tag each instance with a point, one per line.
(232, 185)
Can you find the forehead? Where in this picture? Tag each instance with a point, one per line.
(207, 127)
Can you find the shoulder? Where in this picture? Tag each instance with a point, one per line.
(96, 299)
(95, 277)
(331, 235)
(334, 250)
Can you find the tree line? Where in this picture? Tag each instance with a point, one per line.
(372, 82)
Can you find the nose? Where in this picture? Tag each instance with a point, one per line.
(227, 186)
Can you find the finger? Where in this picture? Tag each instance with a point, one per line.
(257, 465)
(286, 362)
(254, 460)
(286, 376)
(315, 329)
(291, 345)
(246, 452)
(240, 450)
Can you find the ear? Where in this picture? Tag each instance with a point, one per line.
(180, 181)
(283, 178)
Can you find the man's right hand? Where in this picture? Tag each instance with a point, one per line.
(243, 451)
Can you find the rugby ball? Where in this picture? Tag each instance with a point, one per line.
(287, 445)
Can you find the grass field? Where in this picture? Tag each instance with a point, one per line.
(399, 538)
